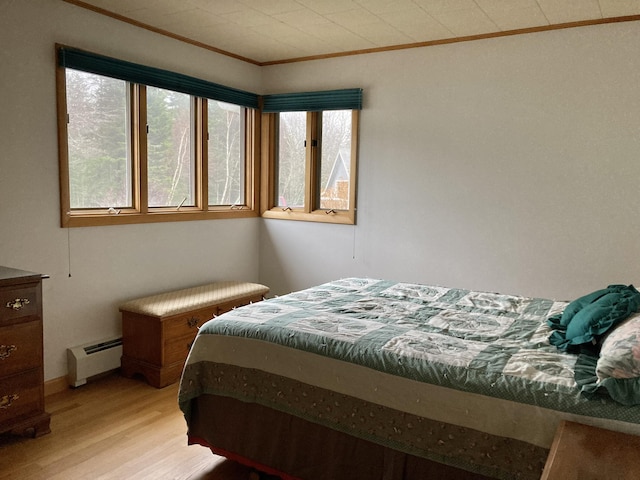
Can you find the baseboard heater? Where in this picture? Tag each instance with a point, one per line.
(85, 361)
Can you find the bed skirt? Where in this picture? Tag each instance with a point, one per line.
(297, 449)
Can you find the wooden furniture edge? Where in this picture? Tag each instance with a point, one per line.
(553, 451)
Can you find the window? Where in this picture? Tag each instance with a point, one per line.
(171, 172)
(226, 154)
(335, 160)
(291, 162)
(139, 144)
(99, 148)
(310, 158)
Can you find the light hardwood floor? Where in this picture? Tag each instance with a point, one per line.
(114, 428)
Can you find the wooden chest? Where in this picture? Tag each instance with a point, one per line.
(158, 331)
(21, 354)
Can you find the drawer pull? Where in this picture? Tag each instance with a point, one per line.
(18, 303)
(6, 351)
(7, 400)
(192, 322)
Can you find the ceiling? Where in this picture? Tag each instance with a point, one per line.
(266, 32)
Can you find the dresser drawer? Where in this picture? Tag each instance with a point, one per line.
(20, 395)
(20, 347)
(18, 303)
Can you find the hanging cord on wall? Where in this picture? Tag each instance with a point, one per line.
(353, 247)
(69, 249)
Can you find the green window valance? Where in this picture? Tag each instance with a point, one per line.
(346, 99)
(156, 77)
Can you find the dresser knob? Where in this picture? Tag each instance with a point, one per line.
(18, 303)
(6, 351)
(7, 400)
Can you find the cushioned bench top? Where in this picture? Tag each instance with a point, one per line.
(185, 300)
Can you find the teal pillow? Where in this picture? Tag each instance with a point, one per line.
(586, 319)
(563, 319)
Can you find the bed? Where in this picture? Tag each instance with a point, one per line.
(364, 378)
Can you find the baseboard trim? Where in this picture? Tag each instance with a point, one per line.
(55, 385)
(60, 384)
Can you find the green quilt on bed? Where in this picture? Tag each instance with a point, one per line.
(486, 343)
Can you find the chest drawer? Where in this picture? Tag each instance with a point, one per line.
(18, 303)
(177, 349)
(20, 395)
(188, 323)
(20, 347)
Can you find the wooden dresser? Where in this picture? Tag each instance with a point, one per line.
(21, 354)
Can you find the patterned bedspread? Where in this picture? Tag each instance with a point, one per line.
(488, 344)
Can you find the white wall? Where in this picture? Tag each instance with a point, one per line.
(508, 164)
(108, 264)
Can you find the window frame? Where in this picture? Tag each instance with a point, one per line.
(311, 211)
(140, 212)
